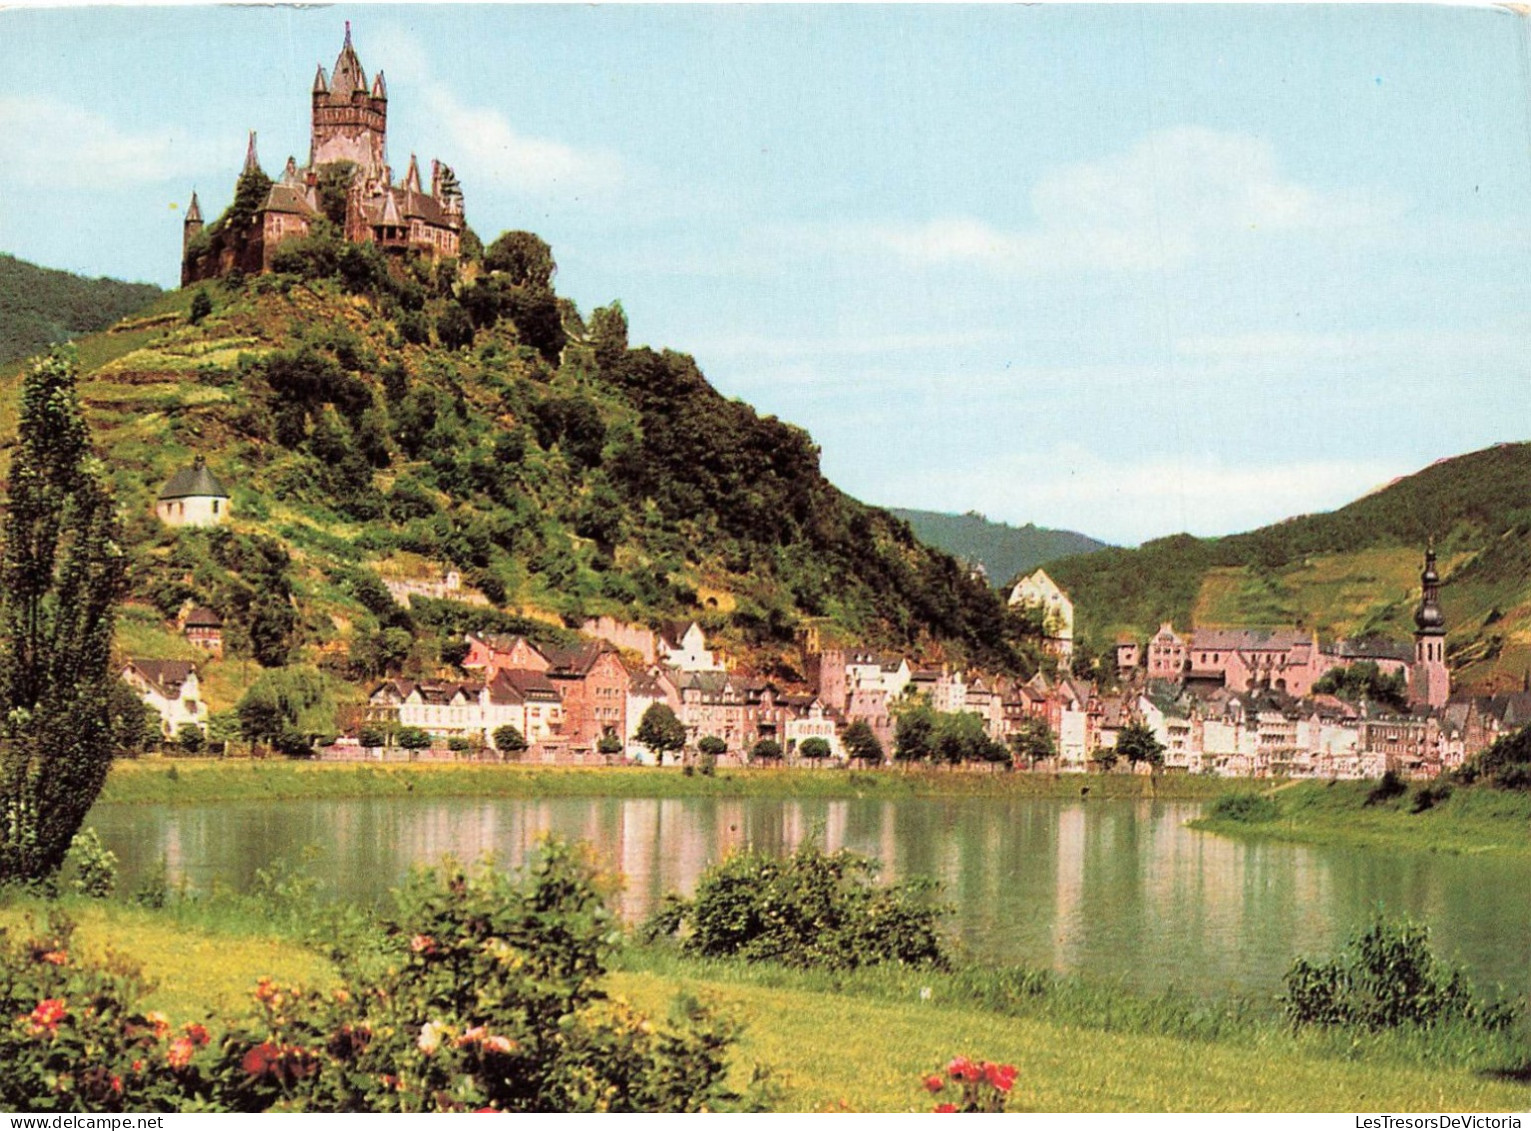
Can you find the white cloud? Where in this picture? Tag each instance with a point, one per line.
(45, 143)
(483, 145)
(1128, 502)
(1176, 194)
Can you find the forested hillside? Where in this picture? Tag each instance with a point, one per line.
(381, 424)
(1350, 571)
(39, 306)
(1003, 550)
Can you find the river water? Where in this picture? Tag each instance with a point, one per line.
(1113, 889)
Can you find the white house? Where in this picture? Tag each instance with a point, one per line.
(193, 496)
(1038, 591)
(171, 688)
(810, 720)
(687, 651)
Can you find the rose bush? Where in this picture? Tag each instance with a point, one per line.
(969, 1086)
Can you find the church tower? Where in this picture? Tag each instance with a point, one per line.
(350, 121)
(1429, 681)
(193, 223)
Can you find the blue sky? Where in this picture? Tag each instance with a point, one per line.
(1128, 270)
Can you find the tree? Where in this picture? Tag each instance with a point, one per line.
(523, 256)
(372, 736)
(509, 741)
(861, 743)
(914, 733)
(413, 738)
(661, 731)
(766, 750)
(712, 746)
(285, 706)
(814, 749)
(608, 334)
(1032, 742)
(201, 306)
(190, 739)
(133, 722)
(1137, 744)
(608, 744)
(62, 570)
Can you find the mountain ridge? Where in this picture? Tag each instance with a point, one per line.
(1003, 550)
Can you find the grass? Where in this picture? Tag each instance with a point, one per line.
(161, 781)
(1475, 819)
(860, 1043)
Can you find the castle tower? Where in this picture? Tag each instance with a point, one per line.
(193, 223)
(349, 122)
(1429, 680)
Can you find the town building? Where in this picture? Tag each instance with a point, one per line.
(204, 628)
(170, 687)
(1040, 592)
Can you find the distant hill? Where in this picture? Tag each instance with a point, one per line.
(40, 306)
(1003, 550)
(1350, 571)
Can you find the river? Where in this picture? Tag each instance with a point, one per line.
(1113, 889)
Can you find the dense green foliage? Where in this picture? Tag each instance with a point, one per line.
(40, 307)
(923, 734)
(811, 909)
(1385, 977)
(1506, 763)
(1137, 743)
(61, 575)
(661, 731)
(1004, 551)
(1364, 680)
(1245, 807)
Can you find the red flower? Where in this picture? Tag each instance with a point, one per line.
(1002, 1076)
(944, 1107)
(56, 958)
(117, 1084)
(422, 944)
(962, 1068)
(934, 1083)
(262, 1059)
(180, 1053)
(197, 1034)
(49, 1012)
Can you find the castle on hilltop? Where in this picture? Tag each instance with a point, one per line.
(347, 180)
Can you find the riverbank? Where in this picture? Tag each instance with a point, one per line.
(864, 1042)
(1471, 819)
(185, 780)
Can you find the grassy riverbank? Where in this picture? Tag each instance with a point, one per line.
(1472, 819)
(172, 781)
(864, 1041)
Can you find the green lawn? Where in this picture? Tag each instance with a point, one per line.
(831, 1051)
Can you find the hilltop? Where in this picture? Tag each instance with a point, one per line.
(380, 423)
(1004, 551)
(40, 306)
(1348, 572)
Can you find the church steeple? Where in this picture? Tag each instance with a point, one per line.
(252, 162)
(1429, 678)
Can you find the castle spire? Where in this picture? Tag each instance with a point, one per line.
(321, 83)
(348, 75)
(412, 178)
(252, 162)
(379, 87)
(194, 211)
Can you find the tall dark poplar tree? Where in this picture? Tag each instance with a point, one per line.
(62, 569)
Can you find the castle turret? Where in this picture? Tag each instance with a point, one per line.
(1429, 678)
(350, 124)
(192, 224)
(252, 160)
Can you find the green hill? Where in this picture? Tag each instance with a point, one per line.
(40, 306)
(1354, 570)
(1004, 551)
(375, 423)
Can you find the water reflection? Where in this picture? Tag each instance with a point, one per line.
(1115, 889)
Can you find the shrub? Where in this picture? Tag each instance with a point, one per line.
(766, 750)
(1391, 785)
(94, 866)
(459, 745)
(509, 740)
(1385, 977)
(814, 749)
(1431, 795)
(810, 909)
(1245, 807)
(712, 745)
(371, 736)
(490, 1000)
(980, 1087)
(190, 739)
(413, 738)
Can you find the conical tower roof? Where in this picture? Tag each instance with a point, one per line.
(195, 481)
(348, 73)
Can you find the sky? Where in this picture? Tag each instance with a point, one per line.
(1128, 270)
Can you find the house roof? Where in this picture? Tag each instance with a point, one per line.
(289, 198)
(165, 676)
(575, 662)
(203, 618)
(195, 481)
(522, 686)
(1374, 648)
